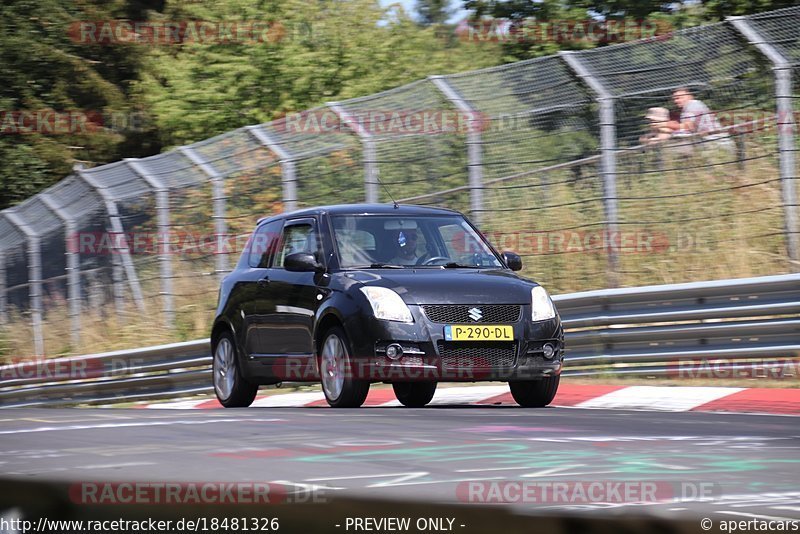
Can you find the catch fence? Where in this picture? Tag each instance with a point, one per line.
(546, 155)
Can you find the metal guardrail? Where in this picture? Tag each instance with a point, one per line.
(621, 331)
(650, 330)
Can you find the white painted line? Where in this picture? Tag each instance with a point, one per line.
(466, 395)
(125, 425)
(177, 405)
(671, 399)
(288, 400)
(114, 466)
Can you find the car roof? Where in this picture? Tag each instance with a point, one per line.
(364, 209)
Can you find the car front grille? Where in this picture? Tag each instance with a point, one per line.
(460, 313)
(476, 355)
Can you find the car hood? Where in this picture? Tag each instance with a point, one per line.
(450, 286)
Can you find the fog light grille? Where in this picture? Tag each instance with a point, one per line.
(480, 355)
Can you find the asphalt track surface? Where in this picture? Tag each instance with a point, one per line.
(747, 465)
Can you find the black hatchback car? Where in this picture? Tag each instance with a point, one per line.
(355, 294)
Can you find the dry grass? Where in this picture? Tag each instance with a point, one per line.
(703, 222)
(105, 330)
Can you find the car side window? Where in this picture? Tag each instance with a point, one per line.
(356, 247)
(298, 238)
(264, 244)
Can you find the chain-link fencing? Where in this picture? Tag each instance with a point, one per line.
(564, 159)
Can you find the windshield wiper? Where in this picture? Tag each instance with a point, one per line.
(456, 265)
(378, 266)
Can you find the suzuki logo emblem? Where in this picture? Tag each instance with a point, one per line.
(475, 314)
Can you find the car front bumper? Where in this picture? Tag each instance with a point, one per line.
(427, 356)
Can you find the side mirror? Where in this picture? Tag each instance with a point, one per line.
(302, 262)
(513, 261)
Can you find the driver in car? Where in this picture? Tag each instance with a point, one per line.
(406, 248)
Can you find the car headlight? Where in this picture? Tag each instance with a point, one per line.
(386, 304)
(541, 306)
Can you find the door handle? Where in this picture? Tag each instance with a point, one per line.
(263, 282)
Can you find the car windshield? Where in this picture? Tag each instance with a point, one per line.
(392, 241)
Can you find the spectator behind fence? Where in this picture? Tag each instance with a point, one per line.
(697, 118)
(658, 120)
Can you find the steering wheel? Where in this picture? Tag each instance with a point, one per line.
(432, 260)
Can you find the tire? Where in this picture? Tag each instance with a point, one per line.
(341, 389)
(414, 394)
(535, 393)
(232, 389)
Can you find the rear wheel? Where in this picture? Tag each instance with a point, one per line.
(232, 389)
(535, 393)
(341, 388)
(414, 394)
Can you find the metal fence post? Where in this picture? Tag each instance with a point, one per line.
(368, 143)
(785, 123)
(474, 146)
(73, 267)
(164, 238)
(219, 199)
(608, 154)
(34, 278)
(120, 242)
(117, 281)
(288, 177)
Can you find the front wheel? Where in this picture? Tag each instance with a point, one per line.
(535, 393)
(414, 394)
(232, 389)
(341, 388)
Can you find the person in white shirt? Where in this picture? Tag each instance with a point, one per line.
(695, 115)
(697, 118)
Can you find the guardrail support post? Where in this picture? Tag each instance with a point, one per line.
(288, 177)
(164, 238)
(474, 146)
(219, 200)
(370, 157)
(786, 128)
(608, 154)
(73, 267)
(119, 247)
(34, 278)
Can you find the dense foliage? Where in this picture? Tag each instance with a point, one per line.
(135, 99)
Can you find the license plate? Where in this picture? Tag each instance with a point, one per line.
(467, 332)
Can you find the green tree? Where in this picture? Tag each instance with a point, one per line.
(433, 11)
(317, 51)
(719, 9)
(531, 31)
(45, 67)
